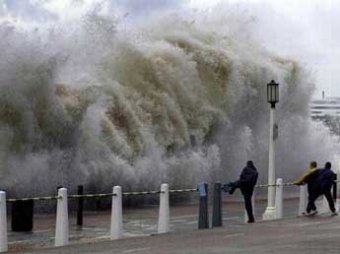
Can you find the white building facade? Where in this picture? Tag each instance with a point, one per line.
(328, 106)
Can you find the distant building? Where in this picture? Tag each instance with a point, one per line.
(327, 106)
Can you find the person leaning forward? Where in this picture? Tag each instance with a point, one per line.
(309, 178)
(319, 182)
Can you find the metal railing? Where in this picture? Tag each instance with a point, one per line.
(117, 201)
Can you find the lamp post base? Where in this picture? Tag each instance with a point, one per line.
(270, 213)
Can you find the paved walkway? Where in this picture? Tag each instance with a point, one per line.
(319, 234)
(290, 235)
(136, 222)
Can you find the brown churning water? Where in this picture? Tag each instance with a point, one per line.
(177, 98)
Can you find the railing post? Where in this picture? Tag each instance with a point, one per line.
(62, 227)
(3, 223)
(279, 198)
(116, 214)
(217, 206)
(303, 199)
(80, 206)
(203, 218)
(324, 205)
(22, 216)
(164, 210)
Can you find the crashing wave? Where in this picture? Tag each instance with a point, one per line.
(175, 99)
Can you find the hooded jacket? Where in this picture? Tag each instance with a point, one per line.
(248, 178)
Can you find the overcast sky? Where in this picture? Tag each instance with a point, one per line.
(307, 30)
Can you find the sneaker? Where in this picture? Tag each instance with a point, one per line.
(251, 221)
(334, 213)
(311, 213)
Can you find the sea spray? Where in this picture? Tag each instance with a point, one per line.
(177, 98)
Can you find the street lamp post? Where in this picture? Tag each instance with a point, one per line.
(272, 98)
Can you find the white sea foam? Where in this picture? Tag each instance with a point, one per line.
(178, 97)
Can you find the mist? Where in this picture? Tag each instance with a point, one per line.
(104, 97)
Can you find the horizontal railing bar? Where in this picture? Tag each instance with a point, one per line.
(183, 190)
(140, 193)
(34, 198)
(92, 195)
(132, 193)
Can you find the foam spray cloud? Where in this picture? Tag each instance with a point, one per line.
(101, 100)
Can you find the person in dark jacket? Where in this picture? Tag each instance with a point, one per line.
(246, 183)
(324, 182)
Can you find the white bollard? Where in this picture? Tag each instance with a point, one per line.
(116, 214)
(253, 205)
(337, 204)
(3, 223)
(303, 199)
(62, 227)
(164, 210)
(325, 206)
(279, 198)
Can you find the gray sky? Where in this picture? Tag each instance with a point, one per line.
(305, 30)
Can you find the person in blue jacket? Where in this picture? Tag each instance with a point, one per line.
(324, 181)
(246, 183)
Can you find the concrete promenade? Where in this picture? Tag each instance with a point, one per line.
(290, 235)
(319, 234)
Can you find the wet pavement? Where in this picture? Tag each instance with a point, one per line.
(304, 235)
(137, 223)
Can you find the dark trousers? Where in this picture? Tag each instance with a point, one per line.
(247, 195)
(313, 196)
(330, 201)
(248, 205)
(311, 202)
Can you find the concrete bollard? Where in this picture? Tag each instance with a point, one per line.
(116, 214)
(303, 199)
(324, 206)
(164, 210)
(62, 227)
(3, 223)
(279, 198)
(217, 206)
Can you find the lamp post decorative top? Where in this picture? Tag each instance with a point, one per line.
(273, 93)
